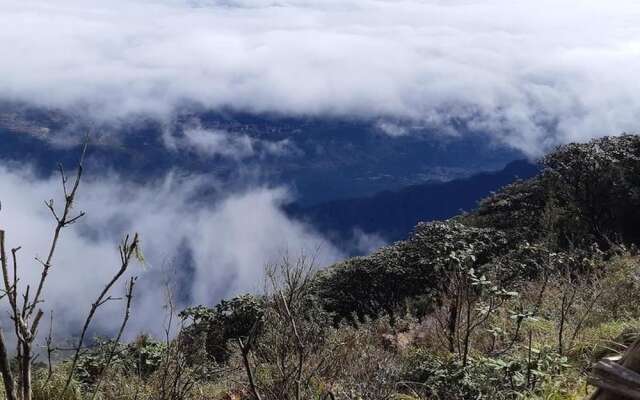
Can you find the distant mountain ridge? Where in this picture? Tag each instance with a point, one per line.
(318, 159)
(391, 214)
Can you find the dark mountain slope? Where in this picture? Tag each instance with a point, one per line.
(392, 214)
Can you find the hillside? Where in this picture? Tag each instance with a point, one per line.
(391, 214)
(513, 300)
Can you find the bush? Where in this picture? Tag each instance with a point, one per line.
(598, 185)
(141, 358)
(444, 377)
(385, 281)
(52, 388)
(230, 319)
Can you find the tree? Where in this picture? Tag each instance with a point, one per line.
(26, 307)
(383, 282)
(597, 184)
(291, 349)
(222, 324)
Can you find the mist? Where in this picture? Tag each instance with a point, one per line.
(532, 74)
(207, 250)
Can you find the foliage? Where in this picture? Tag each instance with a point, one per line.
(598, 185)
(228, 320)
(385, 281)
(492, 378)
(51, 388)
(291, 351)
(141, 357)
(516, 209)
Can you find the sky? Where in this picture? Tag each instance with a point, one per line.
(530, 74)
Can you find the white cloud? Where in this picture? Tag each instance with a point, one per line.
(392, 129)
(226, 243)
(217, 142)
(532, 73)
(232, 145)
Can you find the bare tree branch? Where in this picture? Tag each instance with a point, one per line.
(114, 346)
(62, 222)
(127, 250)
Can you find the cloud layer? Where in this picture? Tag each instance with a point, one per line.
(532, 73)
(211, 250)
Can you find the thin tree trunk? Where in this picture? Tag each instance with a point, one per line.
(561, 324)
(5, 369)
(247, 366)
(451, 325)
(467, 335)
(127, 250)
(116, 341)
(26, 371)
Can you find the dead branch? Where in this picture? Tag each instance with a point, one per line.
(127, 250)
(5, 370)
(114, 346)
(50, 350)
(62, 222)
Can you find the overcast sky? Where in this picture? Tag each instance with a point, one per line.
(533, 73)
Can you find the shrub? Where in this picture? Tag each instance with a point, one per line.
(52, 388)
(442, 376)
(228, 320)
(385, 281)
(598, 185)
(141, 357)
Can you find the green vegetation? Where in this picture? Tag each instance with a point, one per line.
(513, 301)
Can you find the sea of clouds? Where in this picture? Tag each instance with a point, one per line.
(532, 73)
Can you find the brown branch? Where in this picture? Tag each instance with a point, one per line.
(112, 352)
(584, 317)
(26, 318)
(244, 350)
(5, 370)
(50, 351)
(127, 250)
(5, 365)
(300, 343)
(62, 222)
(9, 289)
(170, 307)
